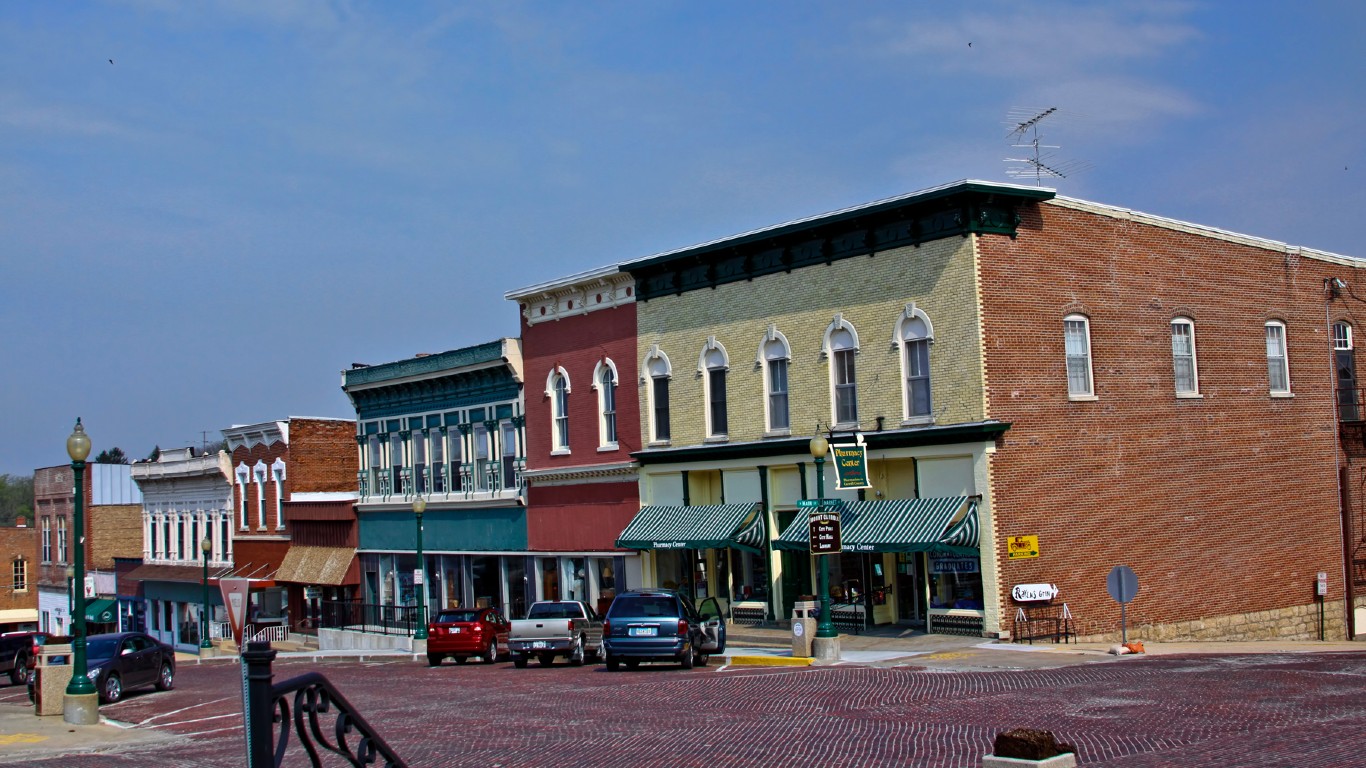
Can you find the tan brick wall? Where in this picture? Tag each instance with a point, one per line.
(871, 292)
(115, 531)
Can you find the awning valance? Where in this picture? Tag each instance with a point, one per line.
(898, 525)
(101, 611)
(714, 526)
(324, 566)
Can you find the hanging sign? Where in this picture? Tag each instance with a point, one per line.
(851, 466)
(825, 530)
(1021, 547)
(1028, 593)
(235, 598)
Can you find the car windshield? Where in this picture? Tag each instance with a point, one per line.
(644, 605)
(452, 617)
(101, 647)
(555, 611)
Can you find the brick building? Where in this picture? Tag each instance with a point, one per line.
(1123, 388)
(112, 515)
(579, 349)
(18, 589)
(293, 496)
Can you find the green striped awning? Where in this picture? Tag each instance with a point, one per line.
(896, 525)
(715, 526)
(101, 611)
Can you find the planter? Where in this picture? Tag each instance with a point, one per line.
(1065, 760)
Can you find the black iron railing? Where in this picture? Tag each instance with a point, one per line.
(368, 617)
(302, 704)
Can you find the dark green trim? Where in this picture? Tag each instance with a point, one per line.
(487, 353)
(901, 438)
(954, 210)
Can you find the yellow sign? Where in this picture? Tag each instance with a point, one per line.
(1021, 547)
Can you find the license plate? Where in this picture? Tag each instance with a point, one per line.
(643, 631)
(455, 630)
(539, 644)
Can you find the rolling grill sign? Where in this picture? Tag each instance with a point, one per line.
(851, 466)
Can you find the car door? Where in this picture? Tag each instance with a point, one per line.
(713, 626)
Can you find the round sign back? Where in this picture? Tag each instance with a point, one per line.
(1122, 584)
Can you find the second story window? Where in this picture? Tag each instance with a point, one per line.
(1183, 356)
(243, 477)
(656, 373)
(438, 462)
(1277, 363)
(605, 381)
(47, 539)
(1344, 362)
(20, 575)
(914, 334)
(259, 472)
(61, 540)
(396, 462)
(277, 473)
(713, 365)
(558, 390)
(774, 356)
(841, 347)
(509, 442)
(1077, 340)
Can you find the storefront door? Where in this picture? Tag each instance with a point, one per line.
(796, 577)
(910, 589)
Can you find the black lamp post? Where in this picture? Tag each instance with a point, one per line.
(825, 645)
(420, 632)
(81, 706)
(207, 546)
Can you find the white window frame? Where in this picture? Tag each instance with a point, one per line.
(19, 574)
(559, 409)
(605, 382)
(835, 357)
(773, 348)
(259, 472)
(1279, 362)
(47, 538)
(1082, 357)
(714, 360)
(656, 366)
(903, 340)
(278, 474)
(243, 477)
(62, 551)
(1184, 326)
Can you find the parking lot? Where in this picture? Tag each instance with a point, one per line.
(1272, 709)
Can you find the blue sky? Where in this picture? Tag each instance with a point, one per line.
(255, 195)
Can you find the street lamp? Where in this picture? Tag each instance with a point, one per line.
(420, 633)
(81, 706)
(826, 644)
(207, 546)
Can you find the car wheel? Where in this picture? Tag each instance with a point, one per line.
(166, 680)
(546, 659)
(576, 655)
(612, 664)
(113, 689)
(491, 653)
(433, 659)
(20, 672)
(685, 659)
(519, 661)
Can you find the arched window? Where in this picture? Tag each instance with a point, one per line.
(841, 347)
(713, 364)
(655, 373)
(774, 355)
(605, 382)
(557, 389)
(913, 335)
(1185, 374)
(1077, 340)
(1277, 361)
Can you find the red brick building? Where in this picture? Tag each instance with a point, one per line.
(294, 493)
(18, 588)
(582, 424)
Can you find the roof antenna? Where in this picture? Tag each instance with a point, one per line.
(1024, 134)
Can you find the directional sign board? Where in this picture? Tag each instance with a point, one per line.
(825, 533)
(1020, 547)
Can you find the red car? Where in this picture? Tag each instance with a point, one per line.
(464, 632)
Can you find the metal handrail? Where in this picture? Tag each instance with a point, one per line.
(313, 698)
(368, 617)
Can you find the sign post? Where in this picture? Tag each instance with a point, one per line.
(1122, 584)
(823, 516)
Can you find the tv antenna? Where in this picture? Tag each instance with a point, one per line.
(1024, 134)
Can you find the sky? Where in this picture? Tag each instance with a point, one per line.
(208, 209)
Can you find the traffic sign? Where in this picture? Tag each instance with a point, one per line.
(1122, 584)
(810, 504)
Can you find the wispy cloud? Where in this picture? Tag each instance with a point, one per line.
(58, 119)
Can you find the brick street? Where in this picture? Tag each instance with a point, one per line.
(1250, 710)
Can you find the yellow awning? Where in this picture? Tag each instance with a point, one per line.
(325, 566)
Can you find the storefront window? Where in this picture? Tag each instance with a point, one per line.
(956, 582)
(486, 577)
(517, 586)
(575, 581)
(452, 582)
(671, 568)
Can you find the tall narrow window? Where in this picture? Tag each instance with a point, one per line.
(47, 539)
(152, 537)
(1344, 361)
(438, 460)
(1277, 366)
(396, 461)
(1183, 356)
(914, 334)
(259, 473)
(61, 540)
(243, 475)
(655, 375)
(509, 442)
(277, 471)
(481, 456)
(605, 381)
(774, 356)
(1077, 336)
(558, 390)
(420, 461)
(843, 351)
(20, 575)
(713, 363)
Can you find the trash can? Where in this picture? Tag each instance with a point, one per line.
(803, 627)
(50, 678)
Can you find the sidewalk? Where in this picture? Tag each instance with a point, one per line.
(26, 735)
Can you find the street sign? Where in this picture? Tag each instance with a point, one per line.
(825, 534)
(235, 598)
(1122, 584)
(1022, 547)
(812, 504)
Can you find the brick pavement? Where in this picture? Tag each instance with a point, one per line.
(1273, 709)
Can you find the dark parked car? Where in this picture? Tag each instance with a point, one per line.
(123, 661)
(661, 625)
(464, 632)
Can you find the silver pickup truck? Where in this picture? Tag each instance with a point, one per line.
(556, 628)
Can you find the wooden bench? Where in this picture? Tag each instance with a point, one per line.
(1044, 622)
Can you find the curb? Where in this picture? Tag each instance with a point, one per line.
(768, 661)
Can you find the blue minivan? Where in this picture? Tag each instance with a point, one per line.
(661, 625)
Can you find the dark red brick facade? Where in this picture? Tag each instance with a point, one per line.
(1223, 504)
